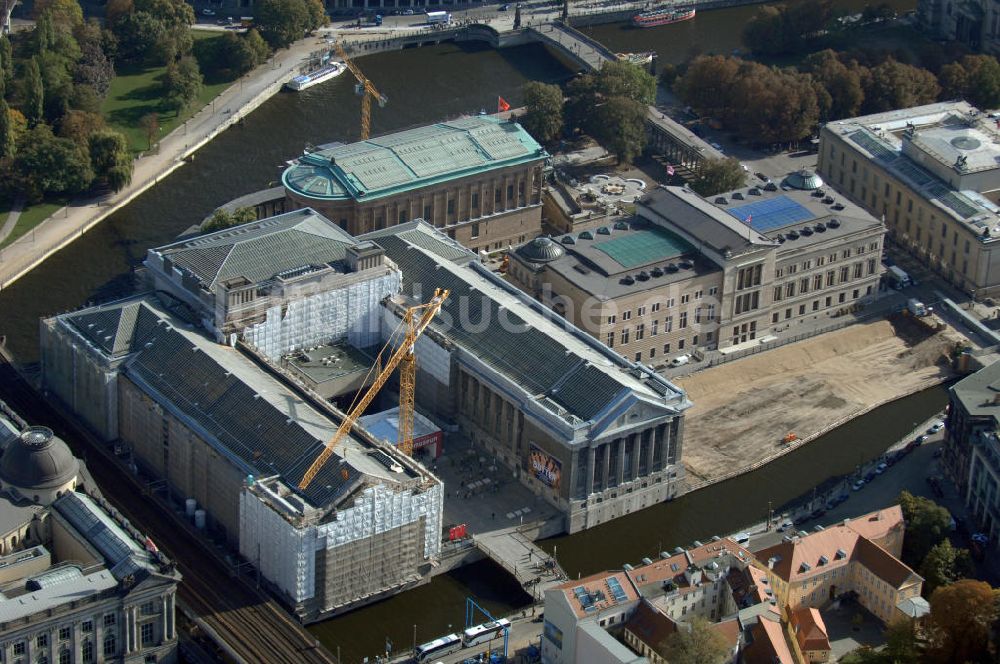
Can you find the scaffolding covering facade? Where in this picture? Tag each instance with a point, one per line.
(350, 311)
(297, 556)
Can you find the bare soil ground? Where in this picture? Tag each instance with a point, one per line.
(743, 409)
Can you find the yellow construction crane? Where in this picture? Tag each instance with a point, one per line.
(415, 321)
(366, 89)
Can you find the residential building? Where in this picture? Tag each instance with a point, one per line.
(932, 173)
(811, 638)
(687, 273)
(642, 606)
(766, 642)
(859, 555)
(478, 179)
(77, 582)
(974, 23)
(973, 414)
(972, 449)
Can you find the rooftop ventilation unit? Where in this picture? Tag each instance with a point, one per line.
(586, 235)
(627, 567)
(569, 239)
(686, 265)
(838, 207)
(806, 231)
(823, 560)
(833, 223)
(770, 186)
(754, 191)
(664, 555)
(792, 235)
(737, 196)
(657, 271)
(780, 239)
(678, 550)
(721, 200)
(621, 225)
(828, 200)
(671, 268)
(820, 227)
(643, 276)
(647, 561)
(628, 280)
(604, 230)
(697, 543)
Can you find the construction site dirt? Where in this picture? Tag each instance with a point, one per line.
(746, 410)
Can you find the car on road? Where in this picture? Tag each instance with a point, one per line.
(785, 525)
(857, 486)
(881, 468)
(817, 513)
(762, 177)
(921, 438)
(407, 12)
(869, 476)
(715, 145)
(937, 426)
(741, 538)
(208, 12)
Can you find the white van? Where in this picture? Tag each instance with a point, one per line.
(680, 360)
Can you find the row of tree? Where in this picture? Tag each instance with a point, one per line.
(611, 106)
(795, 28)
(780, 105)
(283, 21)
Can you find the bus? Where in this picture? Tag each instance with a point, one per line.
(438, 647)
(485, 632)
(438, 17)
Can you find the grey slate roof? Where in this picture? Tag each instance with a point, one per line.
(704, 223)
(254, 432)
(543, 364)
(260, 250)
(113, 328)
(978, 392)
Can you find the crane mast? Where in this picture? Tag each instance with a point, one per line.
(366, 89)
(415, 321)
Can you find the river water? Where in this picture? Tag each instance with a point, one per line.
(424, 85)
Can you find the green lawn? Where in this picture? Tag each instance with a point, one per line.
(137, 92)
(30, 217)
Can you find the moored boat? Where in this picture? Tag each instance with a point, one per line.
(662, 16)
(316, 77)
(641, 59)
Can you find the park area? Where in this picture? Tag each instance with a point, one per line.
(743, 409)
(137, 92)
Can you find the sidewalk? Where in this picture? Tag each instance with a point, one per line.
(234, 103)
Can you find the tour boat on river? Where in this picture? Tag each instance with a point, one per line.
(662, 16)
(321, 75)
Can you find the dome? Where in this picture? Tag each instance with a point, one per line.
(540, 250)
(38, 459)
(805, 179)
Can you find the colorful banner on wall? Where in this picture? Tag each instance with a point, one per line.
(545, 467)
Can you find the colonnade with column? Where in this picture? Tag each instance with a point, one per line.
(626, 458)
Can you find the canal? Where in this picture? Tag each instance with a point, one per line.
(424, 85)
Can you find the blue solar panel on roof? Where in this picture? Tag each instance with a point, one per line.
(772, 213)
(616, 590)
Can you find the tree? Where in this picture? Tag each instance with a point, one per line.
(281, 22)
(622, 127)
(65, 14)
(975, 78)
(893, 85)
(619, 78)
(543, 117)
(150, 124)
(668, 75)
(582, 99)
(960, 622)
(927, 523)
(944, 564)
(46, 164)
(111, 158)
(702, 644)
(317, 14)
(719, 175)
(33, 92)
(45, 33)
(221, 219)
(94, 68)
(782, 29)
(182, 82)
(116, 9)
(901, 641)
(137, 33)
(707, 84)
(7, 144)
(79, 125)
(840, 82)
(6, 60)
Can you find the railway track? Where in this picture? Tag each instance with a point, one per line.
(254, 627)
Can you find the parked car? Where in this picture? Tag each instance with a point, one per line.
(869, 476)
(881, 468)
(817, 513)
(937, 426)
(741, 538)
(785, 525)
(680, 360)
(208, 12)
(857, 486)
(504, 7)
(407, 12)
(921, 438)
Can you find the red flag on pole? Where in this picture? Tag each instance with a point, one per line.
(502, 105)
(749, 219)
(670, 170)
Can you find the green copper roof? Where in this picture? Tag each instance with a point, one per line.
(413, 158)
(643, 247)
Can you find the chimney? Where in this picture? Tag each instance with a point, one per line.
(770, 562)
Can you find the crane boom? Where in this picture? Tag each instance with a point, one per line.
(368, 92)
(404, 352)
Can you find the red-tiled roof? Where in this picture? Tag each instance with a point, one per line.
(650, 625)
(768, 645)
(730, 631)
(810, 630)
(878, 524)
(598, 591)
